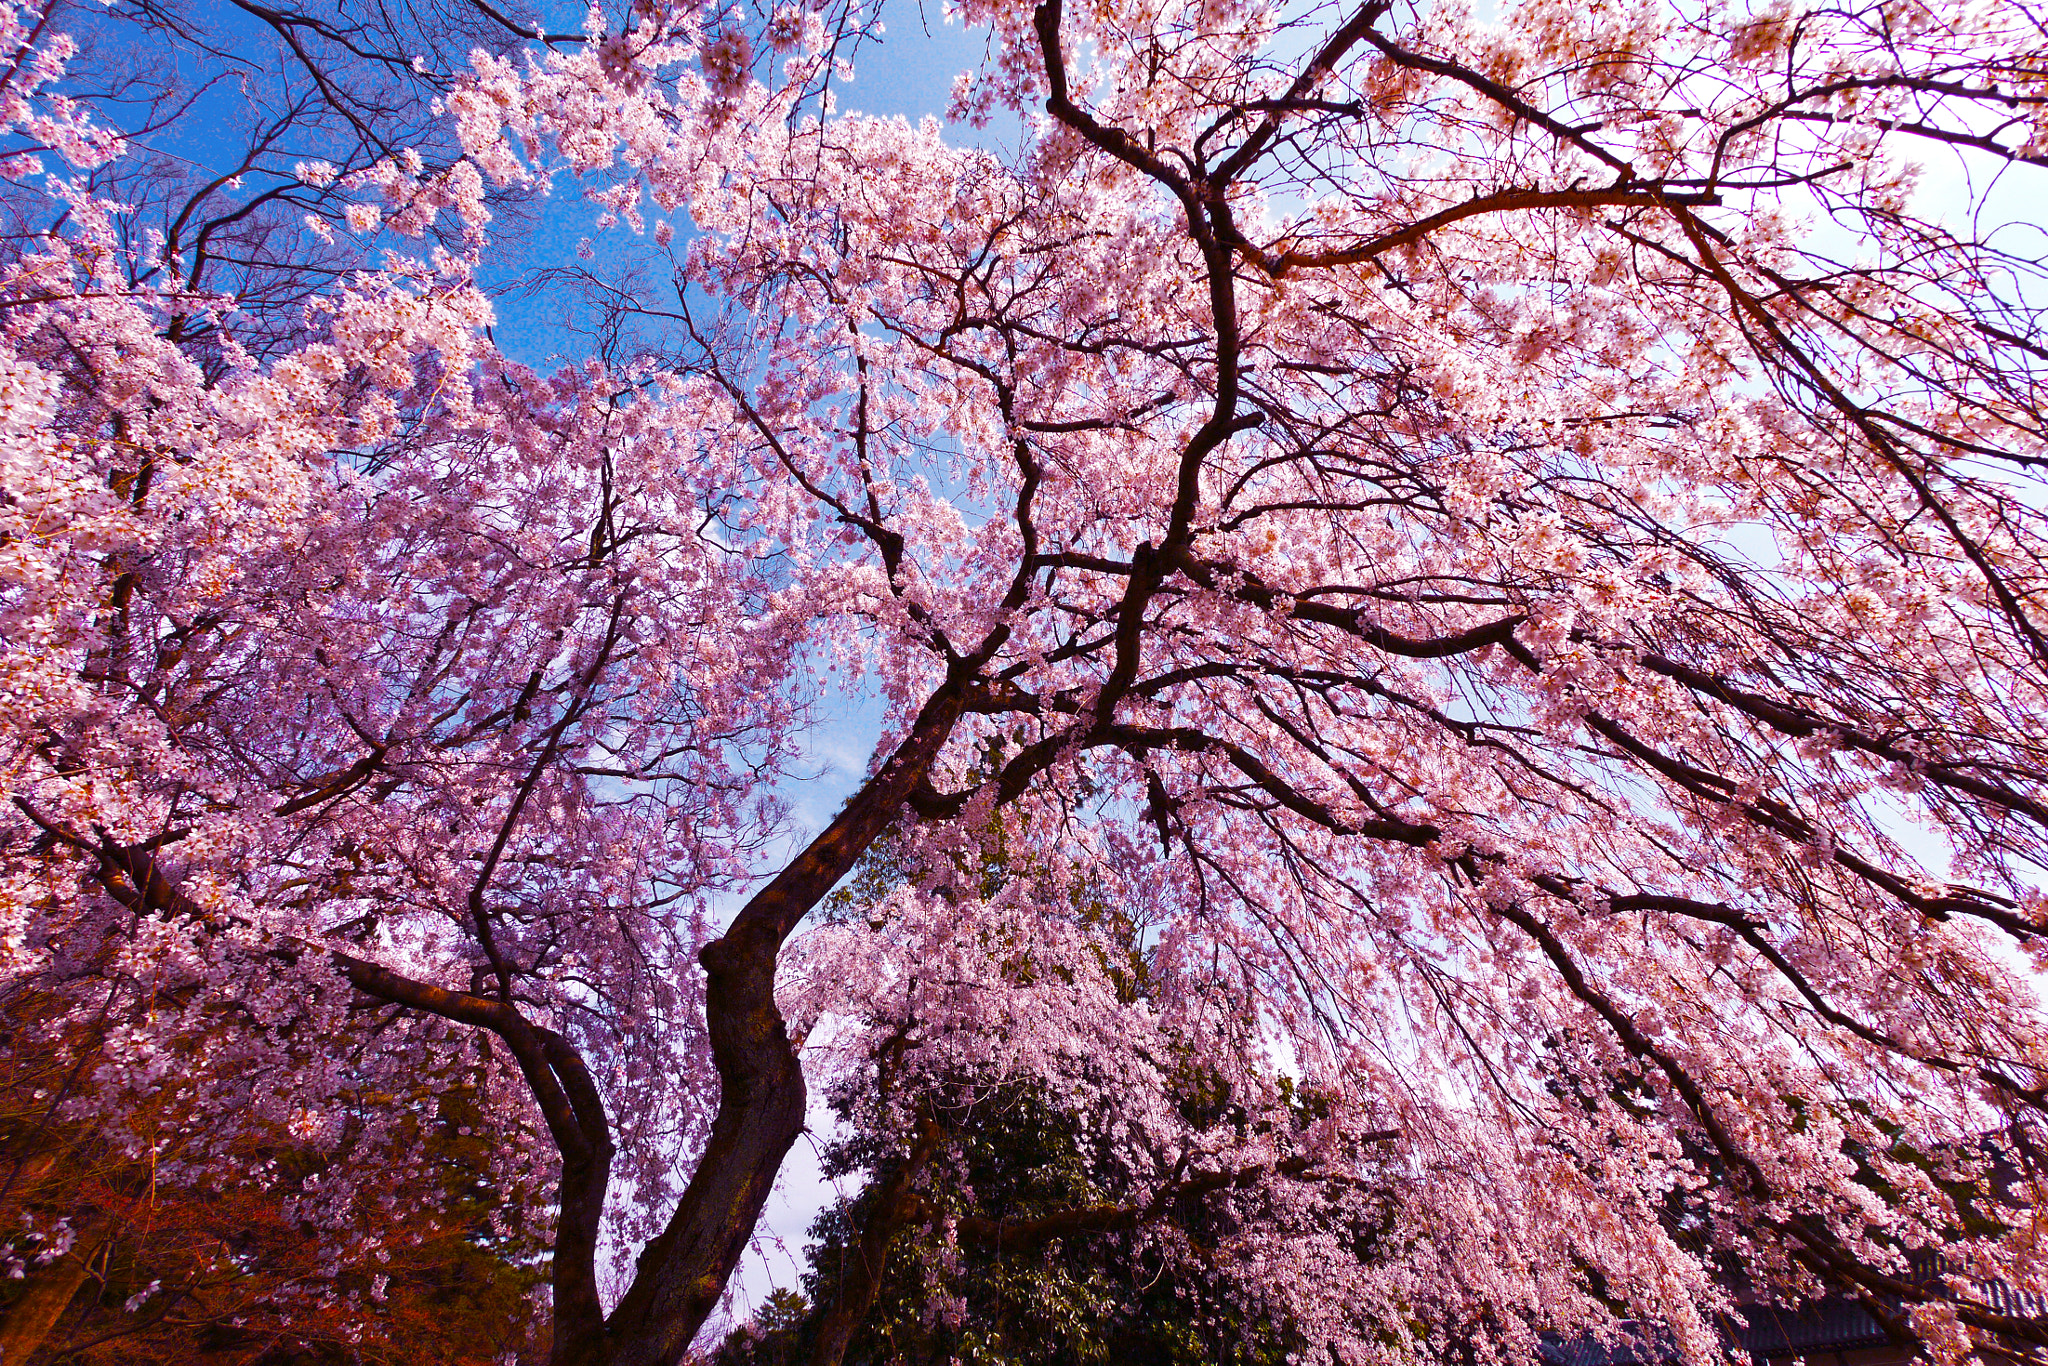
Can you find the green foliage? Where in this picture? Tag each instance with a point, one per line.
(1102, 1297)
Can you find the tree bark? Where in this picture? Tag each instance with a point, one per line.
(683, 1272)
(50, 1292)
(895, 1202)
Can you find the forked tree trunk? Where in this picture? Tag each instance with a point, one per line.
(682, 1274)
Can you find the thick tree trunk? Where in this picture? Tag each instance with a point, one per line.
(682, 1273)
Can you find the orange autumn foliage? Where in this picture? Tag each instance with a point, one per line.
(119, 1251)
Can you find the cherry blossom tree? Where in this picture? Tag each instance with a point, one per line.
(246, 126)
(1507, 545)
(200, 574)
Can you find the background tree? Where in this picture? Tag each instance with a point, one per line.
(134, 1238)
(1024, 1191)
(1480, 535)
(1086, 1296)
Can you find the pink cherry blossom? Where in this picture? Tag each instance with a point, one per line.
(1509, 550)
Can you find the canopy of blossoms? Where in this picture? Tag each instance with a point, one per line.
(1507, 546)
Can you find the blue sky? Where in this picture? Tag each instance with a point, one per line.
(907, 73)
